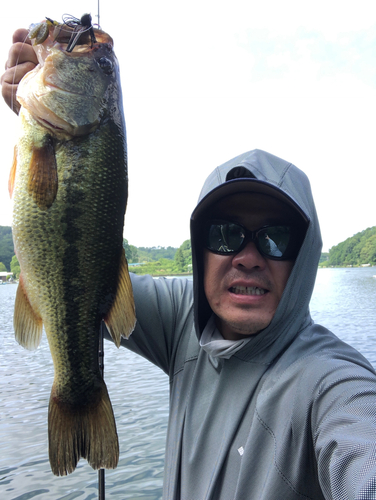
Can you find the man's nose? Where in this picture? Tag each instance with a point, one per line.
(249, 257)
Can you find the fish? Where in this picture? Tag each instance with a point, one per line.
(69, 184)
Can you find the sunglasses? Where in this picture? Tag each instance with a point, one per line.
(274, 242)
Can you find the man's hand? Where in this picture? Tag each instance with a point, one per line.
(21, 60)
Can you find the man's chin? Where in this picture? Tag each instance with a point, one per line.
(237, 329)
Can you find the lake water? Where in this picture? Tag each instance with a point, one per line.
(343, 301)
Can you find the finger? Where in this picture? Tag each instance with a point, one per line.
(15, 74)
(20, 53)
(9, 94)
(21, 35)
(9, 83)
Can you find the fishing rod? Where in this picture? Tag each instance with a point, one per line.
(101, 476)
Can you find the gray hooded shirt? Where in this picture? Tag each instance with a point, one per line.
(288, 414)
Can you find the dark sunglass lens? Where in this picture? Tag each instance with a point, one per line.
(236, 236)
(225, 237)
(273, 241)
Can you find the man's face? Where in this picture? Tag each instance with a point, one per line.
(244, 289)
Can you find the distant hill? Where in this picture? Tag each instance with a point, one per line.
(358, 250)
(6, 246)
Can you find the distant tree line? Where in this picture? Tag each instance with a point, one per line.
(154, 261)
(355, 251)
(147, 254)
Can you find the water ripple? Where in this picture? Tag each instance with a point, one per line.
(343, 301)
(141, 412)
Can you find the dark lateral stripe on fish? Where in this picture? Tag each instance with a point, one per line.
(78, 222)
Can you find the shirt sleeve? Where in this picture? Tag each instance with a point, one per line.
(344, 417)
(164, 312)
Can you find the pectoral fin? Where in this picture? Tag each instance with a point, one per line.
(43, 180)
(27, 324)
(121, 319)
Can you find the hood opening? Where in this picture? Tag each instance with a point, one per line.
(269, 175)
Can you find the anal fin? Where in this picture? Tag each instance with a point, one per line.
(121, 318)
(27, 325)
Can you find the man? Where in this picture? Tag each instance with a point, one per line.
(264, 404)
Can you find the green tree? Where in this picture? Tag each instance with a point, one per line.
(187, 253)
(183, 257)
(324, 257)
(131, 252)
(179, 261)
(160, 261)
(15, 267)
(147, 254)
(356, 250)
(2, 267)
(6, 246)
(368, 251)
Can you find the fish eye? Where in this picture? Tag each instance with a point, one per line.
(105, 64)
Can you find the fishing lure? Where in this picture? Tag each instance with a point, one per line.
(79, 26)
(39, 32)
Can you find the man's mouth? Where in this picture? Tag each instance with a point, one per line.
(247, 290)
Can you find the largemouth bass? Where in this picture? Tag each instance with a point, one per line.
(69, 184)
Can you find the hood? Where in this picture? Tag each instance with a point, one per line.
(260, 172)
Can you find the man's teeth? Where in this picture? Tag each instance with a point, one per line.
(248, 290)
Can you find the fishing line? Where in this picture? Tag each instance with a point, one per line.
(13, 94)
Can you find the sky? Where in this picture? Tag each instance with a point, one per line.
(204, 81)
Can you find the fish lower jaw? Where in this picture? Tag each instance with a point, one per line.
(247, 290)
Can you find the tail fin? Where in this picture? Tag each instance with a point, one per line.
(87, 431)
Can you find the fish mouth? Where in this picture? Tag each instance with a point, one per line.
(50, 125)
(247, 290)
